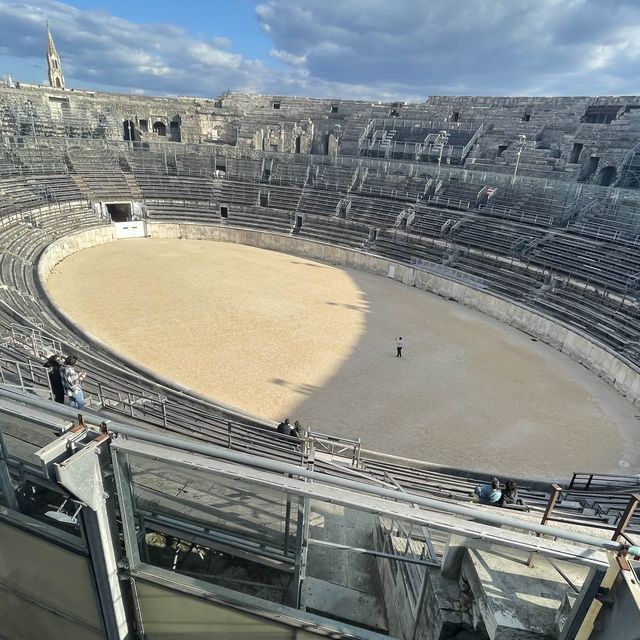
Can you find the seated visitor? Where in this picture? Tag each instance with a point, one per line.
(510, 495)
(489, 493)
(284, 427)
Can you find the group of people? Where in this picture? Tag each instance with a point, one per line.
(66, 380)
(297, 431)
(499, 496)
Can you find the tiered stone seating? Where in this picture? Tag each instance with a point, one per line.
(180, 198)
(41, 160)
(599, 263)
(328, 177)
(193, 165)
(288, 173)
(615, 326)
(616, 221)
(319, 202)
(376, 212)
(430, 220)
(142, 161)
(243, 169)
(260, 218)
(335, 231)
(280, 197)
(243, 194)
(101, 173)
(464, 192)
(16, 196)
(503, 237)
(393, 186)
(195, 418)
(542, 211)
(60, 188)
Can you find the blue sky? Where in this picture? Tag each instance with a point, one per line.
(370, 49)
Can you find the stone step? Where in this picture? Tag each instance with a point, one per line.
(514, 600)
(343, 603)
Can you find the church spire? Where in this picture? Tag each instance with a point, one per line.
(56, 79)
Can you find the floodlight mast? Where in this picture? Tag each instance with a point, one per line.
(522, 145)
(441, 139)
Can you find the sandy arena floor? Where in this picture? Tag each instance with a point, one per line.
(283, 336)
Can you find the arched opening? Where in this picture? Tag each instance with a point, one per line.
(159, 128)
(607, 176)
(58, 83)
(130, 132)
(298, 144)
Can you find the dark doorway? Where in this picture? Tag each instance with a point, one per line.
(456, 116)
(526, 117)
(590, 169)
(224, 211)
(298, 222)
(129, 130)
(119, 211)
(159, 128)
(264, 199)
(607, 176)
(501, 149)
(174, 128)
(575, 152)
(298, 144)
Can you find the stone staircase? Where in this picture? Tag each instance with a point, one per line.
(134, 187)
(83, 186)
(343, 584)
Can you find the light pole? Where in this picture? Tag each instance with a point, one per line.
(522, 145)
(442, 139)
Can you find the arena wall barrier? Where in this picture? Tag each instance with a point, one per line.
(617, 372)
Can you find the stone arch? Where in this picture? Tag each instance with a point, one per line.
(159, 128)
(129, 130)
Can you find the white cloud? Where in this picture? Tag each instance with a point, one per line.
(99, 48)
(287, 58)
(371, 49)
(427, 47)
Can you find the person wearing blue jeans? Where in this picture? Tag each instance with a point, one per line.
(72, 382)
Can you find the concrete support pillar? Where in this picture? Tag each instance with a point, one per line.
(81, 474)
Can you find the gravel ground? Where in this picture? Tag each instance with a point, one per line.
(280, 335)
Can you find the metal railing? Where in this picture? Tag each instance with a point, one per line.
(618, 522)
(26, 376)
(349, 448)
(33, 340)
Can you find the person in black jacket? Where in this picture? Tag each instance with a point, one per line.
(284, 427)
(510, 495)
(53, 364)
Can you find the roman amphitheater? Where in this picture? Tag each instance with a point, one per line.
(219, 265)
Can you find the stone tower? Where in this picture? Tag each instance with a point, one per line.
(56, 79)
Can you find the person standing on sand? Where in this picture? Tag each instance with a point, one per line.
(399, 345)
